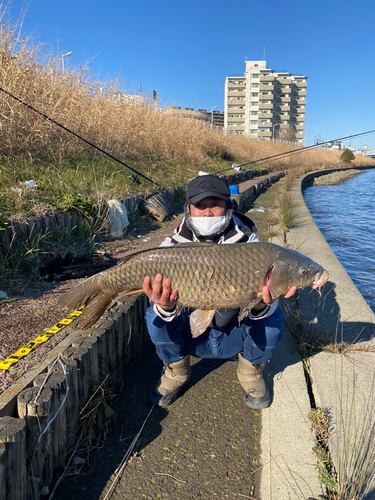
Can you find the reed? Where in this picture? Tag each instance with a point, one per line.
(161, 145)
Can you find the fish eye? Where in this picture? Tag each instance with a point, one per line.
(302, 270)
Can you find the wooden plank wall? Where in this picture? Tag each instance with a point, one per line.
(34, 445)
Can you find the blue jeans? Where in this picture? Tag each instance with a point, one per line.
(255, 339)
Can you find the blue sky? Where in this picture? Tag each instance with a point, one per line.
(185, 49)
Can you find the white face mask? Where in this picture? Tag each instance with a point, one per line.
(206, 226)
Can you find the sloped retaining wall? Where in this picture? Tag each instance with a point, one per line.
(67, 221)
(35, 439)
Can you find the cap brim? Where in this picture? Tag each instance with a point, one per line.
(200, 197)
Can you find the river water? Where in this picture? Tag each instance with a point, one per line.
(345, 215)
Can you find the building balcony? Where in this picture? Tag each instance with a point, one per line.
(284, 81)
(265, 133)
(299, 93)
(300, 85)
(284, 118)
(236, 111)
(235, 119)
(237, 128)
(267, 78)
(236, 85)
(298, 102)
(299, 111)
(283, 108)
(265, 125)
(238, 101)
(236, 93)
(286, 90)
(265, 116)
(265, 106)
(300, 135)
(299, 127)
(298, 119)
(265, 97)
(266, 87)
(282, 100)
(284, 126)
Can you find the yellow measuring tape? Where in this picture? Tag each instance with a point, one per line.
(24, 351)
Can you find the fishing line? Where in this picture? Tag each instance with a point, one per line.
(58, 359)
(82, 139)
(125, 459)
(293, 151)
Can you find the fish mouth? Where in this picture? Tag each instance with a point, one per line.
(320, 279)
(267, 281)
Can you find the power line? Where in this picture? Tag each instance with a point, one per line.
(82, 139)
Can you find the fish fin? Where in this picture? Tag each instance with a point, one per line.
(249, 300)
(200, 321)
(90, 294)
(134, 291)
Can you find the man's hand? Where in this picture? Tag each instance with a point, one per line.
(161, 293)
(268, 298)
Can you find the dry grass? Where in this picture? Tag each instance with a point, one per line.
(157, 143)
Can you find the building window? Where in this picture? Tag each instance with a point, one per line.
(254, 85)
(253, 131)
(254, 103)
(255, 75)
(254, 113)
(253, 122)
(254, 94)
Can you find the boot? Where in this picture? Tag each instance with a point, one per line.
(255, 392)
(174, 377)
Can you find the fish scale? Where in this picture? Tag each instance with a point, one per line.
(208, 277)
(192, 269)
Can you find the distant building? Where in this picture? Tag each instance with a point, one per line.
(336, 145)
(216, 117)
(129, 98)
(265, 103)
(364, 150)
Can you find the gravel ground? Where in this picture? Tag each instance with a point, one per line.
(336, 177)
(33, 310)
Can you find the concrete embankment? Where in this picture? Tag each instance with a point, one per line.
(342, 384)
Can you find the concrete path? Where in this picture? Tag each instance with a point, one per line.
(289, 464)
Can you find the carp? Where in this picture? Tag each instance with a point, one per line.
(208, 277)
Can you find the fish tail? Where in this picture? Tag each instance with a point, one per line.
(88, 293)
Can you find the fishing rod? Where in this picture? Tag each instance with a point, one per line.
(134, 179)
(293, 151)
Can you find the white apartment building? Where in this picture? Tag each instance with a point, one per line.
(265, 104)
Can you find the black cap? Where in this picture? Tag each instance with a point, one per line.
(207, 185)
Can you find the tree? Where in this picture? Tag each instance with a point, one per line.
(286, 134)
(347, 156)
